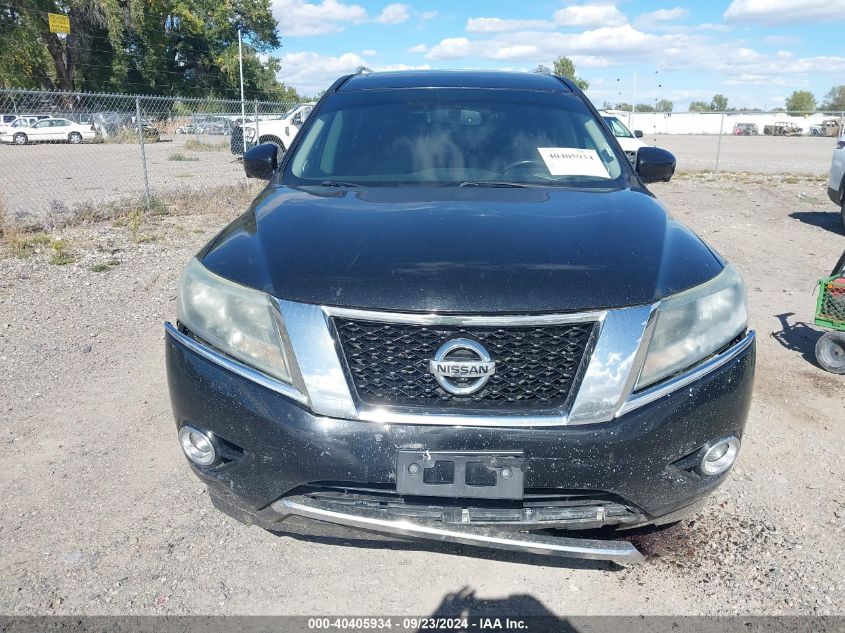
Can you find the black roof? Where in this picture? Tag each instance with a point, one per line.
(454, 79)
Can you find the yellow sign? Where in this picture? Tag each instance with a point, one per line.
(59, 23)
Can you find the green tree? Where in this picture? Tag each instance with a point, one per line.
(834, 100)
(644, 107)
(699, 106)
(565, 68)
(167, 47)
(800, 101)
(663, 105)
(719, 103)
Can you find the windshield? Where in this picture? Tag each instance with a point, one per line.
(449, 136)
(617, 127)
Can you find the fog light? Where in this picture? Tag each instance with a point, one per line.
(719, 456)
(197, 446)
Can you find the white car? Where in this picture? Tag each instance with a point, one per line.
(10, 121)
(49, 130)
(836, 180)
(630, 142)
(280, 131)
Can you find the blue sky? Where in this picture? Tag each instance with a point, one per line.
(756, 52)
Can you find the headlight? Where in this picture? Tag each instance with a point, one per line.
(238, 321)
(249, 133)
(694, 324)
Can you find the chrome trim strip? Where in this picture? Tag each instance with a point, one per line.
(462, 319)
(387, 415)
(659, 390)
(564, 547)
(234, 366)
(319, 359)
(614, 364)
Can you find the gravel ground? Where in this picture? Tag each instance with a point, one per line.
(101, 514)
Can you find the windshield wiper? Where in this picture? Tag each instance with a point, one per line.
(337, 183)
(493, 183)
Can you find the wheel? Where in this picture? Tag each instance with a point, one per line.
(830, 352)
(74, 137)
(275, 140)
(20, 139)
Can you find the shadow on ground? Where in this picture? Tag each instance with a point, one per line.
(798, 337)
(828, 220)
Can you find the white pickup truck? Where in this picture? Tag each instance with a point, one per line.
(280, 131)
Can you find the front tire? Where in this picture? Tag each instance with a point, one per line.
(830, 352)
(275, 140)
(20, 139)
(75, 138)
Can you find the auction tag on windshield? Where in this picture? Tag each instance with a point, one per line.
(572, 161)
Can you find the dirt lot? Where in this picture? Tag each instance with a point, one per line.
(808, 155)
(102, 515)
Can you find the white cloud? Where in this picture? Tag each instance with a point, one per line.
(428, 15)
(451, 48)
(419, 48)
(589, 15)
(394, 14)
(299, 18)
(500, 25)
(369, 52)
(310, 72)
(660, 17)
(784, 11)
(607, 43)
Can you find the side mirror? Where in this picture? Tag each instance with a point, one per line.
(261, 161)
(655, 164)
(638, 133)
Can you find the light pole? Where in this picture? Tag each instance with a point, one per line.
(634, 100)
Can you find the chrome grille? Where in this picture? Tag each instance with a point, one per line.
(536, 366)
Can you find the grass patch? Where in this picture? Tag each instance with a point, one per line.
(180, 157)
(101, 267)
(23, 245)
(25, 234)
(198, 146)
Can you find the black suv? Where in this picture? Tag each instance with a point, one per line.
(456, 313)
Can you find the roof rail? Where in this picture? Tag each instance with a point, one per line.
(363, 70)
(542, 70)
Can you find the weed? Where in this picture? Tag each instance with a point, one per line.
(62, 258)
(180, 157)
(61, 253)
(101, 267)
(198, 146)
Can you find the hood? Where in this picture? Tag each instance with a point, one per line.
(450, 249)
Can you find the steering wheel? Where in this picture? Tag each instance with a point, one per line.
(522, 163)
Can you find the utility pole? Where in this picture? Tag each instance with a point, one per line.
(243, 106)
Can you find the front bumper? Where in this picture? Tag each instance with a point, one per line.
(640, 459)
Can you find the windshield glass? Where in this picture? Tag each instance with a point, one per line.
(617, 127)
(454, 137)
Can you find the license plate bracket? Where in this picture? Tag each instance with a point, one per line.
(460, 474)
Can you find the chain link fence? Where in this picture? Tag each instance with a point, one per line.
(63, 150)
(60, 151)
